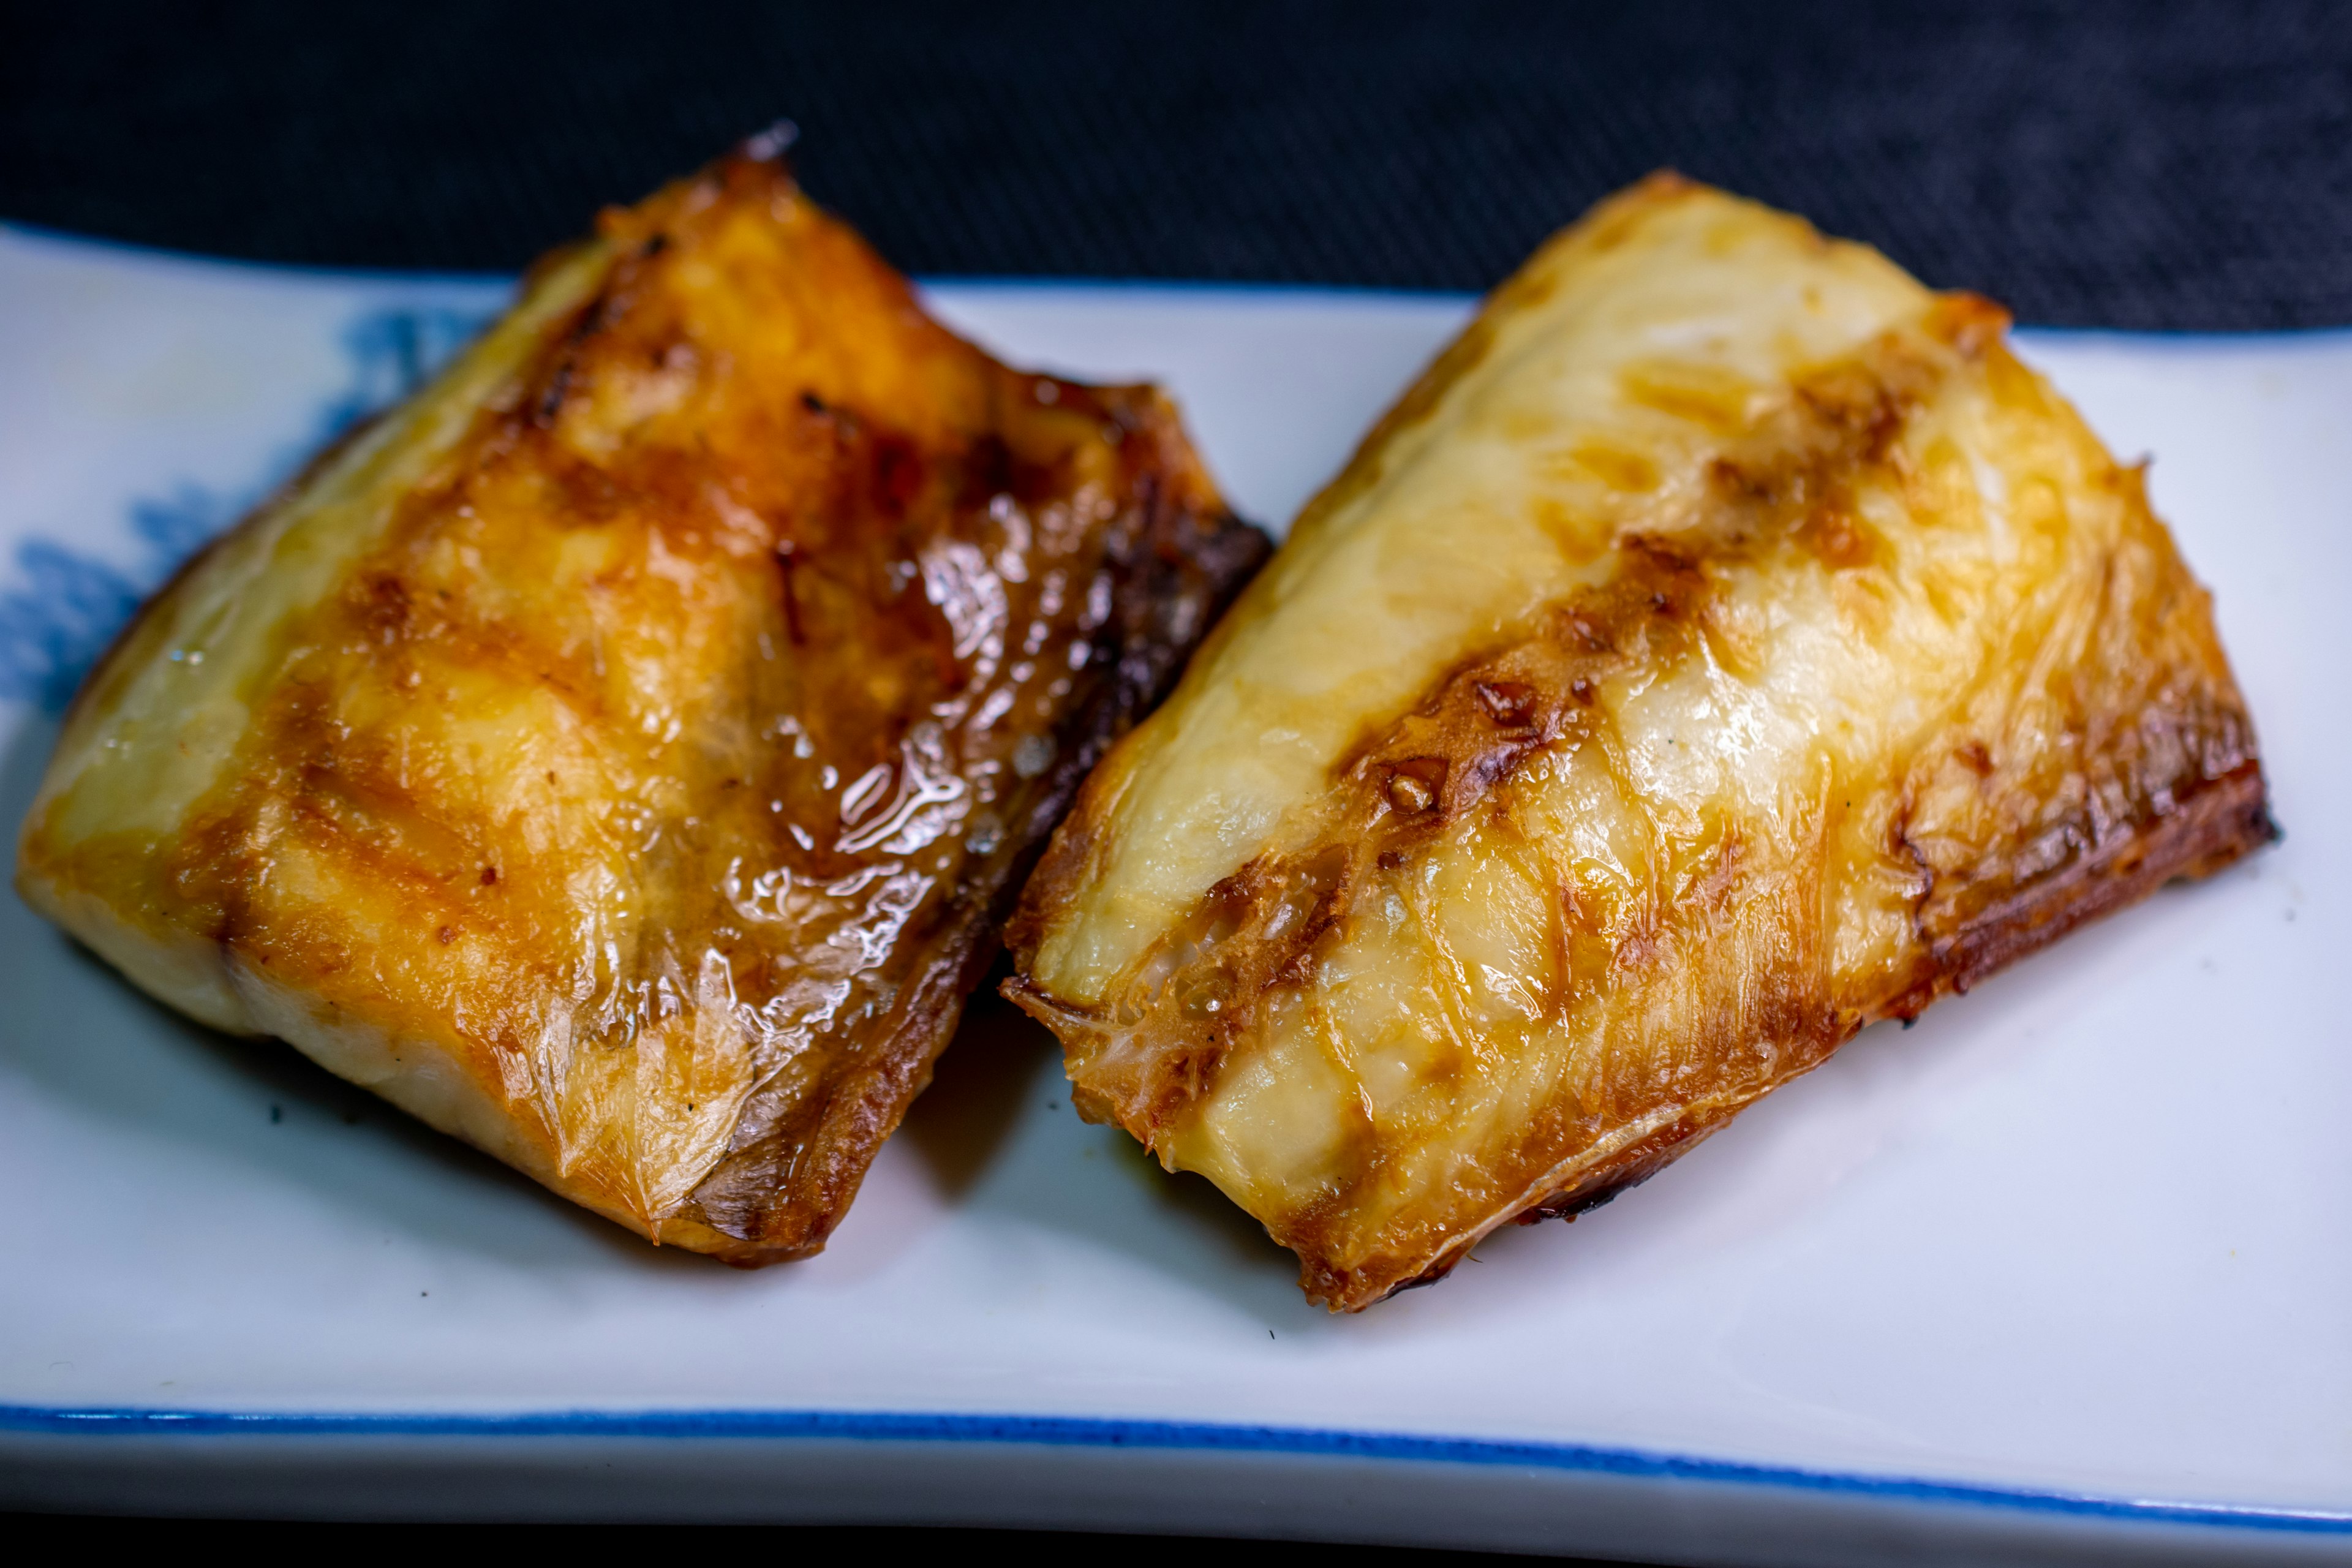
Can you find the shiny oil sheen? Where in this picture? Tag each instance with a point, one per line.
(1725, 644)
(621, 754)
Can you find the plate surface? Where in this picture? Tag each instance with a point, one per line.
(2065, 1263)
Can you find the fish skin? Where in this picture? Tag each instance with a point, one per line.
(623, 756)
(1725, 644)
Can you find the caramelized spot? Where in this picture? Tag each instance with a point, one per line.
(1415, 786)
(1841, 539)
(1509, 703)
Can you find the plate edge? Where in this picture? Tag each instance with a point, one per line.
(1147, 1435)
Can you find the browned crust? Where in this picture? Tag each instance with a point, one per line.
(2210, 830)
(2215, 826)
(1174, 582)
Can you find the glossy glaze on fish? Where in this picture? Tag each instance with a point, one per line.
(1728, 643)
(622, 755)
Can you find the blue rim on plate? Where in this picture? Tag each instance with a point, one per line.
(1089, 1432)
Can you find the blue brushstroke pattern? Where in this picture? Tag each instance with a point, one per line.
(66, 605)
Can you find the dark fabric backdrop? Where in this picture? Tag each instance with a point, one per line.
(2126, 164)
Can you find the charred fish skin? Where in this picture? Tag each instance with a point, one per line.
(1725, 644)
(623, 754)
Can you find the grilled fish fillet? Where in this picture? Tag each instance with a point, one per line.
(1727, 644)
(622, 755)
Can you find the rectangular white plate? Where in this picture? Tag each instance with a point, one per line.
(2063, 1268)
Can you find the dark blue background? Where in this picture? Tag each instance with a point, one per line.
(2136, 166)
